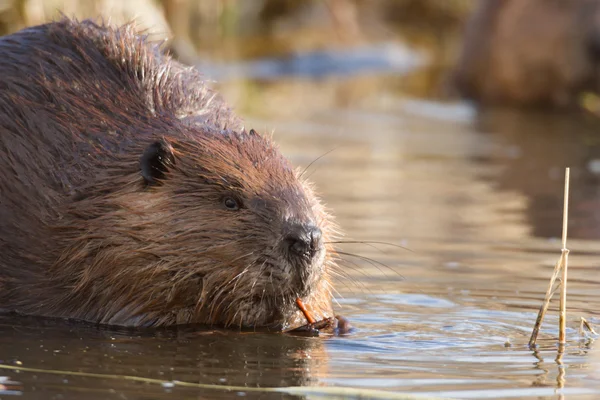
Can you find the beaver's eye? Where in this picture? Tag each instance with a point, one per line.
(231, 203)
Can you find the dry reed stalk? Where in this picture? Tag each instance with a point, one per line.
(561, 265)
(586, 325)
(562, 334)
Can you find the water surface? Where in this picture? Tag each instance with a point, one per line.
(476, 197)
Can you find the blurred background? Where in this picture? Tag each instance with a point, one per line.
(522, 74)
(444, 126)
(268, 39)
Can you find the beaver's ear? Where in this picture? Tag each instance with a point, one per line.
(156, 160)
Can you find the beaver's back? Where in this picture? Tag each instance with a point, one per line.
(78, 103)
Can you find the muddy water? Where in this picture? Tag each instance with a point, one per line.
(476, 200)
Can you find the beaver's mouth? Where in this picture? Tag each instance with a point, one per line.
(261, 294)
(286, 282)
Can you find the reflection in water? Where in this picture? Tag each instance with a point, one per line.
(540, 147)
(435, 183)
(473, 196)
(458, 190)
(215, 357)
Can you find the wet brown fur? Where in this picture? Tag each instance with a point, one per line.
(82, 235)
(540, 53)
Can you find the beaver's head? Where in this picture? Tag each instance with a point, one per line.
(213, 228)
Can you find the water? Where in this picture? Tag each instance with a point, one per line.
(475, 197)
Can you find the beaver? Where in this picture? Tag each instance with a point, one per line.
(535, 53)
(131, 194)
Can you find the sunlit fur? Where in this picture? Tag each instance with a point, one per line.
(82, 235)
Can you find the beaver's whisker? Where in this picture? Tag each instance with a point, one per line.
(236, 278)
(343, 275)
(220, 290)
(371, 261)
(262, 296)
(200, 303)
(235, 315)
(254, 281)
(330, 288)
(244, 270)
(258, 275)
(282, 294)
(271, 283)
(369, 242)
(338, 271)
(218, 305)
(315, 160)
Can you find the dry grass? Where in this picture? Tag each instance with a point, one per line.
(561, 266)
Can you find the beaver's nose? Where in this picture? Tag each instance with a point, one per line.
(304, 240)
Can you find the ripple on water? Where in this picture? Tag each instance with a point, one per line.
(473, 197)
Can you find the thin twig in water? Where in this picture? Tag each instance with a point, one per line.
(562, 335)
(317, 391)
(586, 325)
(561, 265)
